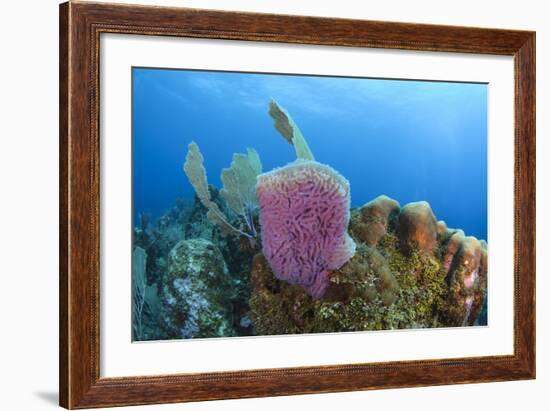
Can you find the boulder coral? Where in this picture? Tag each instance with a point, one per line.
(304, 216)
(442, 229)
(404, 274)
(371, 221)
(417, 226)
(467, 282)
(451, 248)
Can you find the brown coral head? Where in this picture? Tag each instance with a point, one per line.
(470, 253)
(370, 223)
(467, 279)
(417, 226)
(442, 230)
(453, 245)
(381, 207)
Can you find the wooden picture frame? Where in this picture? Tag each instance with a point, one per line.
(81, 24)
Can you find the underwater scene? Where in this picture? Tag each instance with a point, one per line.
(272, 204)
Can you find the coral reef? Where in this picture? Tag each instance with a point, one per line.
(189, 221)
(322, 267)
(304, 215)
(398, 278)
(157, 238)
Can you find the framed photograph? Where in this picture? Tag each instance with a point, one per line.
(259, 205)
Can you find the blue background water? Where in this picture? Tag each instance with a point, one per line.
(410, 140)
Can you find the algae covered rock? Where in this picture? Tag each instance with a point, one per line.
(196, 291)
(367, 293)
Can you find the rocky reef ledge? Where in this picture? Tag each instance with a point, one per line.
(409, 271)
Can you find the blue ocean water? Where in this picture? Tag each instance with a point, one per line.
(410, 140)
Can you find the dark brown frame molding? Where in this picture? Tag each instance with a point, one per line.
(81, 24)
